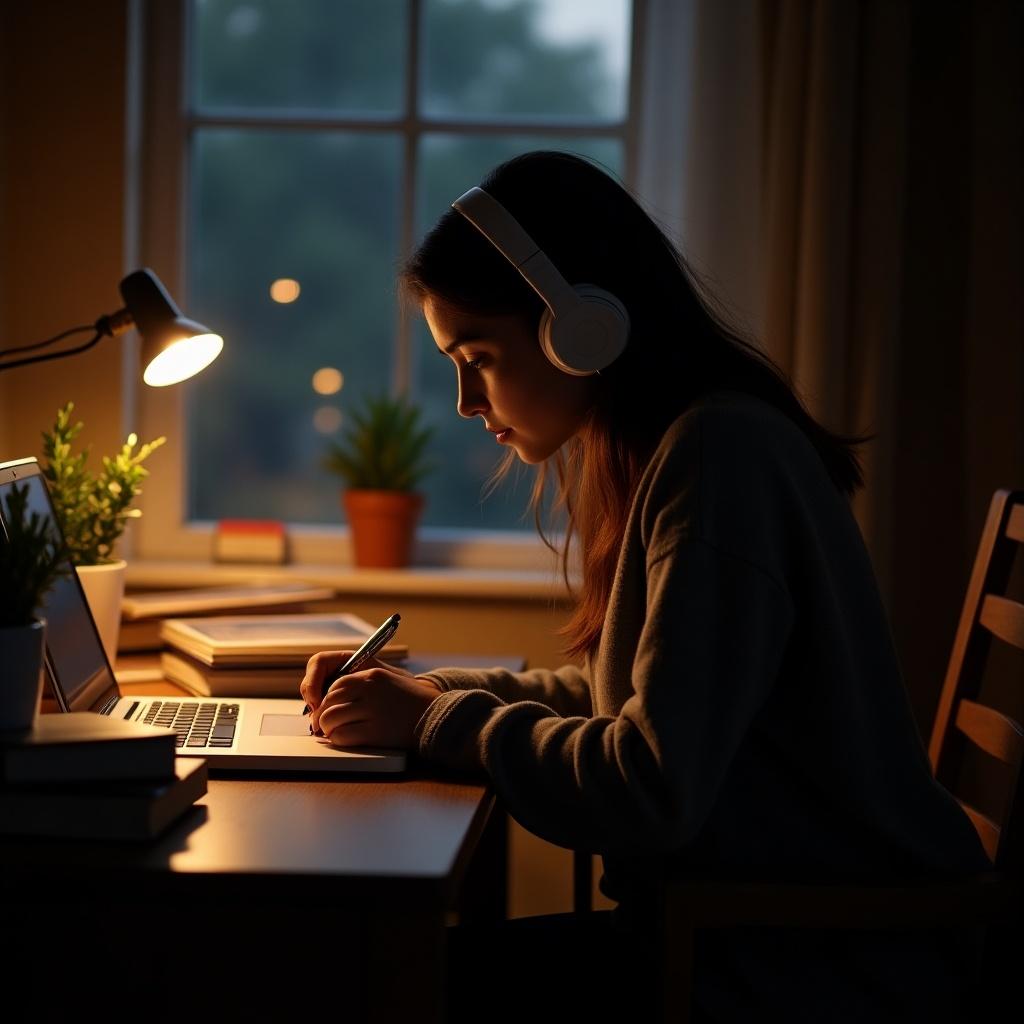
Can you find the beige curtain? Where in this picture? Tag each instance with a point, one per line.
(852, 188)
(833, 124)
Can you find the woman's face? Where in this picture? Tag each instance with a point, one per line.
(506, 379)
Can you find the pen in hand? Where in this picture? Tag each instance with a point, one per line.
(387, 630)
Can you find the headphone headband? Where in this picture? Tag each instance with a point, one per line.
(508, 236)
(583, 328)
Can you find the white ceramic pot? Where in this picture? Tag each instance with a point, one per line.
(21, 676)
(104, 589)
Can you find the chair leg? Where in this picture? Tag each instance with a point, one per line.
(677, 970)
(582, 881)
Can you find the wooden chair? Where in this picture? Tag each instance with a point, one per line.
(993, 899)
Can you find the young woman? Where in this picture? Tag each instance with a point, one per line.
(733, 702)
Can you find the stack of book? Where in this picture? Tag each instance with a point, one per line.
(142, 614)
(86, 776)
(258, 655)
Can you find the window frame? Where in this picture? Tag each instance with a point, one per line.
(159, 132)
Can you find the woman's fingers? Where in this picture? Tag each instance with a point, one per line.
(374, 706)
(336, 722)
(341, 691)
(317, 669)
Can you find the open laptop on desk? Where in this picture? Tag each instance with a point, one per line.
(243, 733)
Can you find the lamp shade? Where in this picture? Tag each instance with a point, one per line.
(173, 347)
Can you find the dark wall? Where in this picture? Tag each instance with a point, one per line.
(62, 216)
(960, 371)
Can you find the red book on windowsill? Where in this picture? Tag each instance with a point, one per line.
(250, 540)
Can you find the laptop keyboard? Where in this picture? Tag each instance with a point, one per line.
(197, 723)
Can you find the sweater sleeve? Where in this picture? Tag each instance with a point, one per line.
(564, 690)
(715, 631)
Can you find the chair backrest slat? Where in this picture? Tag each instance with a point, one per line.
(995, 733)
(1004, 618)
(960, 717)
(988, 831)
(1015, 524)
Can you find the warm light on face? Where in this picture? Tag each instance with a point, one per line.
(517, 388)
(327, 419)
(183, 359)
(285, 290)
(328, 381)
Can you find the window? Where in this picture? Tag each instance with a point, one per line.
(322, 139)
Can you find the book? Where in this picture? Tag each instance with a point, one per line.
(251, 681)
(250, 540)
(139, 635)
(142, 614)
(82, 746)
(270, 641)
(165, 603)
(126, 809)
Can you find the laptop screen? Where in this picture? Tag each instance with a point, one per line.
(76, 663)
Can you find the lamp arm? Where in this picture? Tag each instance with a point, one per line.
(52, 355)
(109, 326)
(49, 341)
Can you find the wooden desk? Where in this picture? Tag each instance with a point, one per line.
(320, 894)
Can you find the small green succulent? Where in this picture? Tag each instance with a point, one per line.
(31, 560)
(93, 511)
(383, 447)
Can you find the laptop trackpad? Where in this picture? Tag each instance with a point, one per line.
(284, 725)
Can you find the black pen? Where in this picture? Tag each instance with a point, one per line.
(367, 651)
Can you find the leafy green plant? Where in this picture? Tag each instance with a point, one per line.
(31, 560)
(383, 447)
(93, 511)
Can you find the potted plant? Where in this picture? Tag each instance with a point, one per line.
(380, 459)
(93, 511)
(31, 561)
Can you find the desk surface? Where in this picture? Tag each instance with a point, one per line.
(366, 837)
(365, 867)
(364, 841)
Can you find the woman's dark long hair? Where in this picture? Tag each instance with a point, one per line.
(680, 348)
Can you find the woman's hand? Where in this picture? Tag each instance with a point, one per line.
(378, 706)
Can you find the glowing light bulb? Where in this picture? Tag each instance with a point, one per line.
(183, 359)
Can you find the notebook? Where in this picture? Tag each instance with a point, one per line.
(253, 734)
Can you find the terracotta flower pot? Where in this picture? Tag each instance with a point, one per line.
(383, 525)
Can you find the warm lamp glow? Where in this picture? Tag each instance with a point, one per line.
(328, 381)
(183, 359)
(285, 290)
(173, 347)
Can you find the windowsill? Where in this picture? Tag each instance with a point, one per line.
(161, 538)
(485, 584)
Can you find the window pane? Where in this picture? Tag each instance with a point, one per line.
(320, 209)
(526, 58)
(316, 55)
(450, 164)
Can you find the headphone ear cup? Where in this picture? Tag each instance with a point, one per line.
(588, 336)
(544, 333)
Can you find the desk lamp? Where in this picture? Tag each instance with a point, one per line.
(173, 347)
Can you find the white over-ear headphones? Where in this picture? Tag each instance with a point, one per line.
(584, 328)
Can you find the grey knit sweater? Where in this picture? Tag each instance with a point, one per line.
(744, 710)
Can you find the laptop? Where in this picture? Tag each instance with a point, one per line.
(251, 734)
